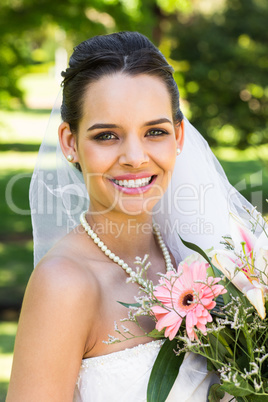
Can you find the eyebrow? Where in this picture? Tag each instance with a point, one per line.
(109, 125)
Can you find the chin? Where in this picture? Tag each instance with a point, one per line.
(137, 207)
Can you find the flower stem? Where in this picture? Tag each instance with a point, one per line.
(249, 341)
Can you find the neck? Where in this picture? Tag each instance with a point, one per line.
(135, 275)
(127, 236)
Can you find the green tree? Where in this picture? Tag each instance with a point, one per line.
(218, 49)
(224, 71)
(26, 26)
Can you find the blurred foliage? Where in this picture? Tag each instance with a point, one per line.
(15, 235)
(224, 71)
(17, 266)
(7, 339)
(218, 49)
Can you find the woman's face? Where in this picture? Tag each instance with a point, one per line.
(127, 143)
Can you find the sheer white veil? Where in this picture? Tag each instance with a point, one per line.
(196, 204)
(57, 191)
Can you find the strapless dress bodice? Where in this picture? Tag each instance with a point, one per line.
(123, 377)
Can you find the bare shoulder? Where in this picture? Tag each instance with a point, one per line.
(63, 274)
(62, 290)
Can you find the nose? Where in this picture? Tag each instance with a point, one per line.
(133, 153)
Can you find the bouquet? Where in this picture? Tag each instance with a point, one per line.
(215, 304)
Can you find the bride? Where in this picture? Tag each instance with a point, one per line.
(123, 129)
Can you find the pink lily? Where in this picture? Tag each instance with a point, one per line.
(247, 265)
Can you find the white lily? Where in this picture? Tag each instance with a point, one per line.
(247, 266)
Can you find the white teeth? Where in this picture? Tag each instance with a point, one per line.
(133, 183)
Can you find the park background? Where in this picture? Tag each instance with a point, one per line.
(219, 51)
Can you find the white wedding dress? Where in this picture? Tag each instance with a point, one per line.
(123, 377)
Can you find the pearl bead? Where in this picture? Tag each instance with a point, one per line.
(118, 260)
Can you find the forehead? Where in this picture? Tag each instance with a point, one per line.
(121, 98)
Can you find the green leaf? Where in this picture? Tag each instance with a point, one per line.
(156, 334)
(194, 247)
(216, 393)
(164, 372)
(210, 366)
(257, 398)
(129, 304)
(243, 360)
(244, 388)
(219, 349)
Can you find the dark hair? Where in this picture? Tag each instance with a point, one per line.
(128, 52)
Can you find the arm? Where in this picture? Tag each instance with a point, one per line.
(55, 323)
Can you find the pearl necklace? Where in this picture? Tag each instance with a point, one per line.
(117, 259)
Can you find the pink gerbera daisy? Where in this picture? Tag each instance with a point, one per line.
(188, 295)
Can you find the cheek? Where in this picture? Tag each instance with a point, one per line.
(93, 160)
(166, 156)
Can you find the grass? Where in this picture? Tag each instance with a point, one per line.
(7, 338)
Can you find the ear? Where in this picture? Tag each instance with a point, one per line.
(179, 133)
(68, 141)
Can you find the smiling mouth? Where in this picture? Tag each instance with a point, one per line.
(134, 183)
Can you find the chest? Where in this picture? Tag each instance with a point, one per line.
(108, 319)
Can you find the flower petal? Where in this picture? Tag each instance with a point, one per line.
(256, 298)
(171, 331)
(261, 265)
(262, 241)
(159, 310)
(199, 270)
(192, 258)
(229, 269)
(240, 233)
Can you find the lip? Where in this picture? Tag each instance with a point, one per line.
(134, 190)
